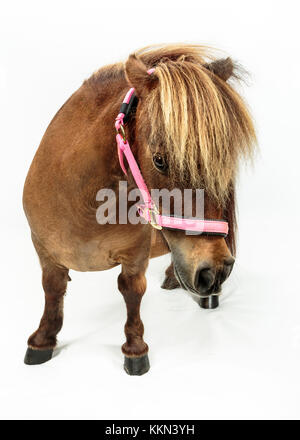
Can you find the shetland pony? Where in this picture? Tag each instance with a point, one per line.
(189, 129)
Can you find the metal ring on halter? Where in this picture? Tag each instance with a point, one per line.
(152, 219)
(121, 131)
(153, 222)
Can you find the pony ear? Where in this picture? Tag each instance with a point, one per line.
(222, 68)
(138, 77)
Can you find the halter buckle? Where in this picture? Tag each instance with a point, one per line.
(153, 222)
(121, 131)
(151, 217)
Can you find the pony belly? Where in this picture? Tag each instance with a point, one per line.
(110, 248)
(74, 253)
(87, 257)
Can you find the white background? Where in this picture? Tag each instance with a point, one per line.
(239, 361)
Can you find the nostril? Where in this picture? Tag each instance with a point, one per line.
(204, 279)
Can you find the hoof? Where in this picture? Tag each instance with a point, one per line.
(36, 357)
(211, 302)
(136, 366)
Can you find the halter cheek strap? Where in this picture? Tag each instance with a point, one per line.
(148, 210)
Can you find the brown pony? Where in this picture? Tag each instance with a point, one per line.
(189, 130)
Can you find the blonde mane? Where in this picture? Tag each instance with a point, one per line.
(199, 121)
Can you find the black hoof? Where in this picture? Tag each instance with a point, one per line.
(136, 366)
(36, 357)
(211, 302)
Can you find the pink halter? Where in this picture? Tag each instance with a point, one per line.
(148, 210)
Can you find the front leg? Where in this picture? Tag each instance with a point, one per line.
(132, 285)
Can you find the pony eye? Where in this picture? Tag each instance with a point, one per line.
(160, 162)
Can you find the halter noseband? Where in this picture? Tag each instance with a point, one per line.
(148, 209)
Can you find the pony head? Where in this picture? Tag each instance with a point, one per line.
(191, 129)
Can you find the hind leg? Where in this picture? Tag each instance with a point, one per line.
(170, 281)
(42, 342)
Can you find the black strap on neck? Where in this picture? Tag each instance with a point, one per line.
(129, 108)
